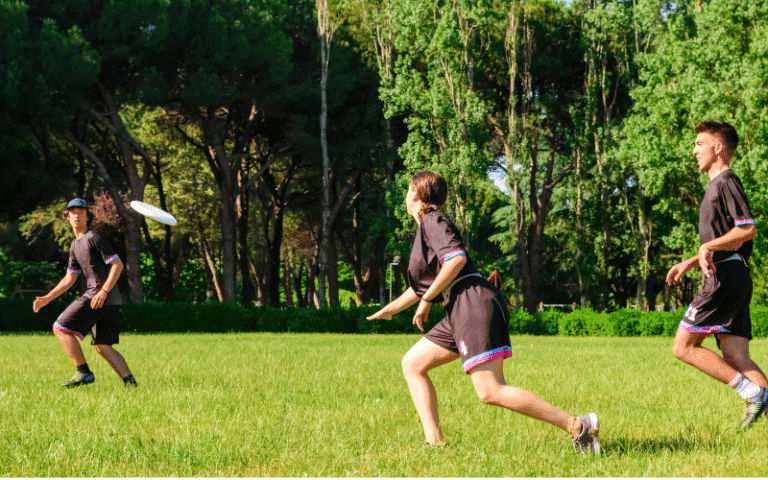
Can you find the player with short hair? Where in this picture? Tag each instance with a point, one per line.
(476, 326)
(721, 307)
(98, 309)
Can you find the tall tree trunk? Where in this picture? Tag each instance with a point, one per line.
(242, 204)
(580, 233)
(208, 263)
(227, 182)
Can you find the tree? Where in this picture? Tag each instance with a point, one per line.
(708, 63)
(530, 114)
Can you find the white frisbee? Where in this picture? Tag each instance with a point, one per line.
(153, 212)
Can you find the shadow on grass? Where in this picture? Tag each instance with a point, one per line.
(684, 442)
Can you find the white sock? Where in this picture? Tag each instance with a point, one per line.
(744, 387)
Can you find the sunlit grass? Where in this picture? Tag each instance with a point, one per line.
(318, 405)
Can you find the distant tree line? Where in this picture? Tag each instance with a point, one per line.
(282, 134)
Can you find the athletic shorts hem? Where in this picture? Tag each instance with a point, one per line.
(502, 352)
(703, 329)
(66, 330)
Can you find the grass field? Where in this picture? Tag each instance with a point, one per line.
(318, 405)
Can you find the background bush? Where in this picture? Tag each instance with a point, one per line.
(17, 315)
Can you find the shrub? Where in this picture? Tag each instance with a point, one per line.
(521, 322)
(17, 315)
(759, 322)
(623, 322)
(547, 322)
(582, 321)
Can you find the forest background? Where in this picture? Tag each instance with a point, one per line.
(282, 134)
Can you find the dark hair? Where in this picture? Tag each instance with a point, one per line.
(91, 217)
(725, 130)
(432, 189)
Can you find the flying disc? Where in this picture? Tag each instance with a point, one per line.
(153, 212)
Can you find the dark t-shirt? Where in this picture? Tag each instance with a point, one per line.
(724, 207)
(90, 255)
(437, 240)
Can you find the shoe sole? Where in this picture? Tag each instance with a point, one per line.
(73, 385)
(763, 411)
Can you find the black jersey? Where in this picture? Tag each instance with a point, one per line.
(90, 255)
(437, 241)
(724, 207)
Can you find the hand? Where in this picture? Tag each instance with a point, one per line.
(39, 303)
(422, 314)
(380, 315)
(98, 300)
(675, 273)
(705, 260)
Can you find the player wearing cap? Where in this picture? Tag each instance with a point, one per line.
(721, 307)
(98, 309)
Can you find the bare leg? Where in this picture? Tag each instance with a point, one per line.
(687, 347)
(71, 345)
(420, 359)
(115, 359)
(488, 379)
(736, 354)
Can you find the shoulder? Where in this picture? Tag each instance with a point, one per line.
(728, 181)
(92, 236)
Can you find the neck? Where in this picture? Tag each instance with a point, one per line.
(717, 169)
(80, 232)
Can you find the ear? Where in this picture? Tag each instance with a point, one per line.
(719, 147)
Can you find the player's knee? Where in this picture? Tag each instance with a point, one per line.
(488, 395)
(103, 350)
(681, 351)
(408, 366)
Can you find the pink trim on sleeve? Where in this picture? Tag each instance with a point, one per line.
(452, 254)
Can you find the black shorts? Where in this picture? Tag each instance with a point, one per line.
(476, 325)
(79, 318)
(722, 304)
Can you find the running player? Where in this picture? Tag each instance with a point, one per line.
(476, 328)
(721, 307)
(98, 310)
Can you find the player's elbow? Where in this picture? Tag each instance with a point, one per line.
(117, 264)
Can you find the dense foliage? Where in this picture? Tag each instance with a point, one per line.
(178, 317)
(224, 114)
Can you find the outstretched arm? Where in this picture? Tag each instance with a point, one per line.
(397, 305)
(64, 285)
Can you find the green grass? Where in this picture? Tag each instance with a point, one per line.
(320, 405)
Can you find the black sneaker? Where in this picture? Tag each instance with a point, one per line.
(130, 382)
(754, 407)
(79, 379)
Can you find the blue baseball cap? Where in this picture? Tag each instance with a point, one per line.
(77, 203)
